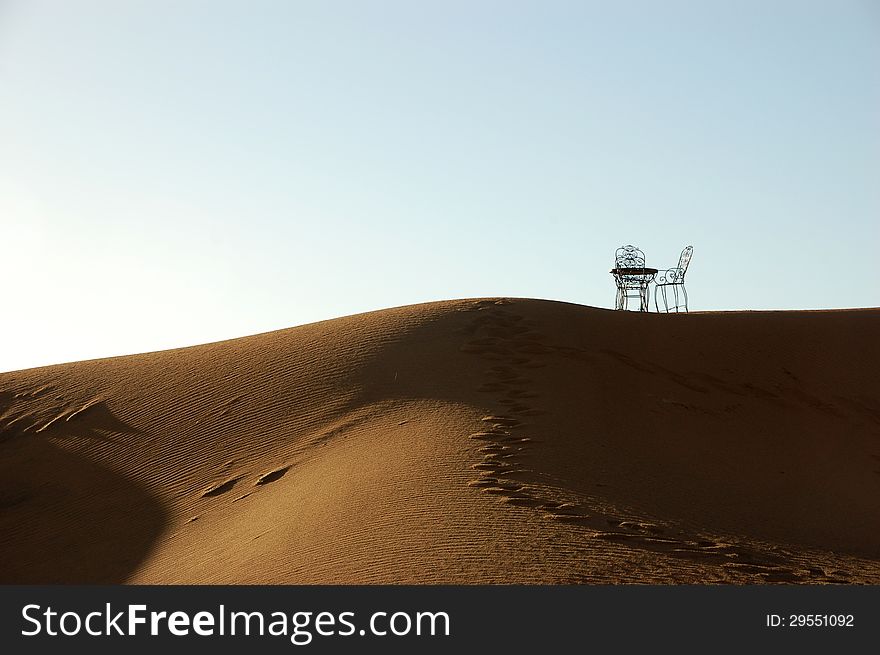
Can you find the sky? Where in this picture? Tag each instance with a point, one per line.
(179, 172)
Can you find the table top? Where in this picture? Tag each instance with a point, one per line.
(634, 271)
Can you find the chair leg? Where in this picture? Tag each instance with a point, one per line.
(684, 291)
(675, 295)
(665, 299)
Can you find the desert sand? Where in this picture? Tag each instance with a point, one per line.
(470, 441)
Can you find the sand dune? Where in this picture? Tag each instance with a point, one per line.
(496, 440)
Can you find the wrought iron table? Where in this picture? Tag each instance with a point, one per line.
(633, 279)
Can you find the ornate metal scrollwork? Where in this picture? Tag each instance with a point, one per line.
(630, 257)
(673, 279)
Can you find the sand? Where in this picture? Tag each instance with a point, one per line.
(471, 441)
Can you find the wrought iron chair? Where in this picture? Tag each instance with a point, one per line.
(674, 278)
(630, 284)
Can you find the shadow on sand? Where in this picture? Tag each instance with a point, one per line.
(65, 518)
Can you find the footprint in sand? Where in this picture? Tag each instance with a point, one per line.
(521, 393)
(503, 372)
(227, 485)
(501, 420)
(271, 476)
(492, 387)
(483, 483)
(486, 436)
(533, 348)
(221, 488)
(503, 330)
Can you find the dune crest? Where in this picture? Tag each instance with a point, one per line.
(488, 440)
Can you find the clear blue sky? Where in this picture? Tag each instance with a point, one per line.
(176, 172)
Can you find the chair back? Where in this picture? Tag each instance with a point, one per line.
(629, 257)
(685, 259)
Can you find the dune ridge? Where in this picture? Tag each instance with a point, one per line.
(488, 440)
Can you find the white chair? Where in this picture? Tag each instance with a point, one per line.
(631, 277)
(673, 278)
